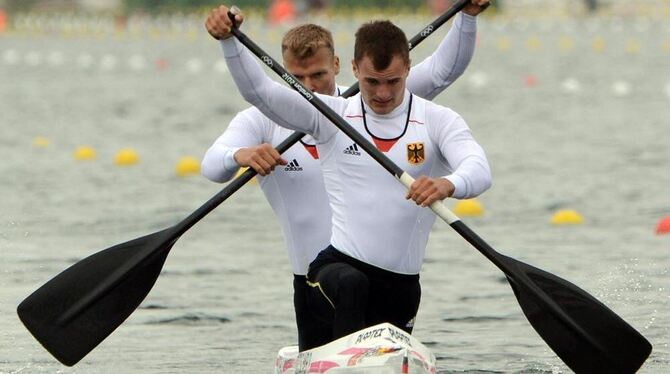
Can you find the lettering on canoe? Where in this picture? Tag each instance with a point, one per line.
(302, 362)
(370, 335)
(400, 336)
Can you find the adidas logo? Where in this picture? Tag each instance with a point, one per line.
(352, 150)
(293, 166)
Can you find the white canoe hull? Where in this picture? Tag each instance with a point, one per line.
(379, 349)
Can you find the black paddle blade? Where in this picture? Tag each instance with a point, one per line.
(582, 331)
(76, 310)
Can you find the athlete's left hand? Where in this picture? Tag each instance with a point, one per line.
(474, 7)
(425, 191)
(218, 23)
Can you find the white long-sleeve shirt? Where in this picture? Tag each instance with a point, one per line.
(296, 192)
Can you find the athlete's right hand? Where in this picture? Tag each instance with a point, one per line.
(263, 158)
(218, 23)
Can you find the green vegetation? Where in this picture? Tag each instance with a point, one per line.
(19, 5)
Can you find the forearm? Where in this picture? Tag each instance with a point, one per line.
(434, 74)
(279, 103)
(470, 170)
(219, 163)
(472, 177)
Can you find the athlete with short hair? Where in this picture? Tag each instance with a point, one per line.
(296, 190)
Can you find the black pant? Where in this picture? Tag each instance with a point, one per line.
(347, 295)
(311, 331)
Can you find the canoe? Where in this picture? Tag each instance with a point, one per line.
(379, 349)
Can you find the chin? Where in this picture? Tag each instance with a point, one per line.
(382, 109)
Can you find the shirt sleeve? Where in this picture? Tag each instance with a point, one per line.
(470, 171)
(437, 72)
(281, 104)
(245, 130)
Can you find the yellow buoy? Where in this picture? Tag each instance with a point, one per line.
(598, 44)
(632, 46)
(566, 43)
(469, 208)
(533, 43)
(84, 153)
(567, 217)
(187, 165)
(126, 157)
(503, 43)
(40, 142)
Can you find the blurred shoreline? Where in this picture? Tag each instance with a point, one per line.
(190, 24)
(543, 9)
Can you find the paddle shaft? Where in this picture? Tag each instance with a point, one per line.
(235, 185)
(180, 228)
(438, 207)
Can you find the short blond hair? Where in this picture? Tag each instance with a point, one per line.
(305, 40)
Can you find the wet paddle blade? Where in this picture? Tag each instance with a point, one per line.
(76, 310)
(605, 344)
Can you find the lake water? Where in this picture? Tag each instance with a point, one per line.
(573, 114)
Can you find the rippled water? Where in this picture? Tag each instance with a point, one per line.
(572, 114)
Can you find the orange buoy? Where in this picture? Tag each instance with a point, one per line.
(530, 80)
(162, 64)
(282, 11)
(663, 226)
(3, 21)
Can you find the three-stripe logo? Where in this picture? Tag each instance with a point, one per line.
(352, 150)
(293, 166)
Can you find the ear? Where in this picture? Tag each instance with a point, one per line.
(336, 65)
(354, 67)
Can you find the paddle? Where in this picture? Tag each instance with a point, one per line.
(583, 332)
(76, 310)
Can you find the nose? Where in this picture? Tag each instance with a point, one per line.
(309, 83)
(383, 92)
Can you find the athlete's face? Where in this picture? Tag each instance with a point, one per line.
(316, 72)
(382, 90)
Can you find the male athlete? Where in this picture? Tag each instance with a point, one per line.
(296, 191)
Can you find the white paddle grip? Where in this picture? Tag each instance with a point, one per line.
(438, 207)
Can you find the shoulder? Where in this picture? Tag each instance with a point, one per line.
(437, 114)
(251, 113)
(252, 116)
(435, 109)
(335, 102)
